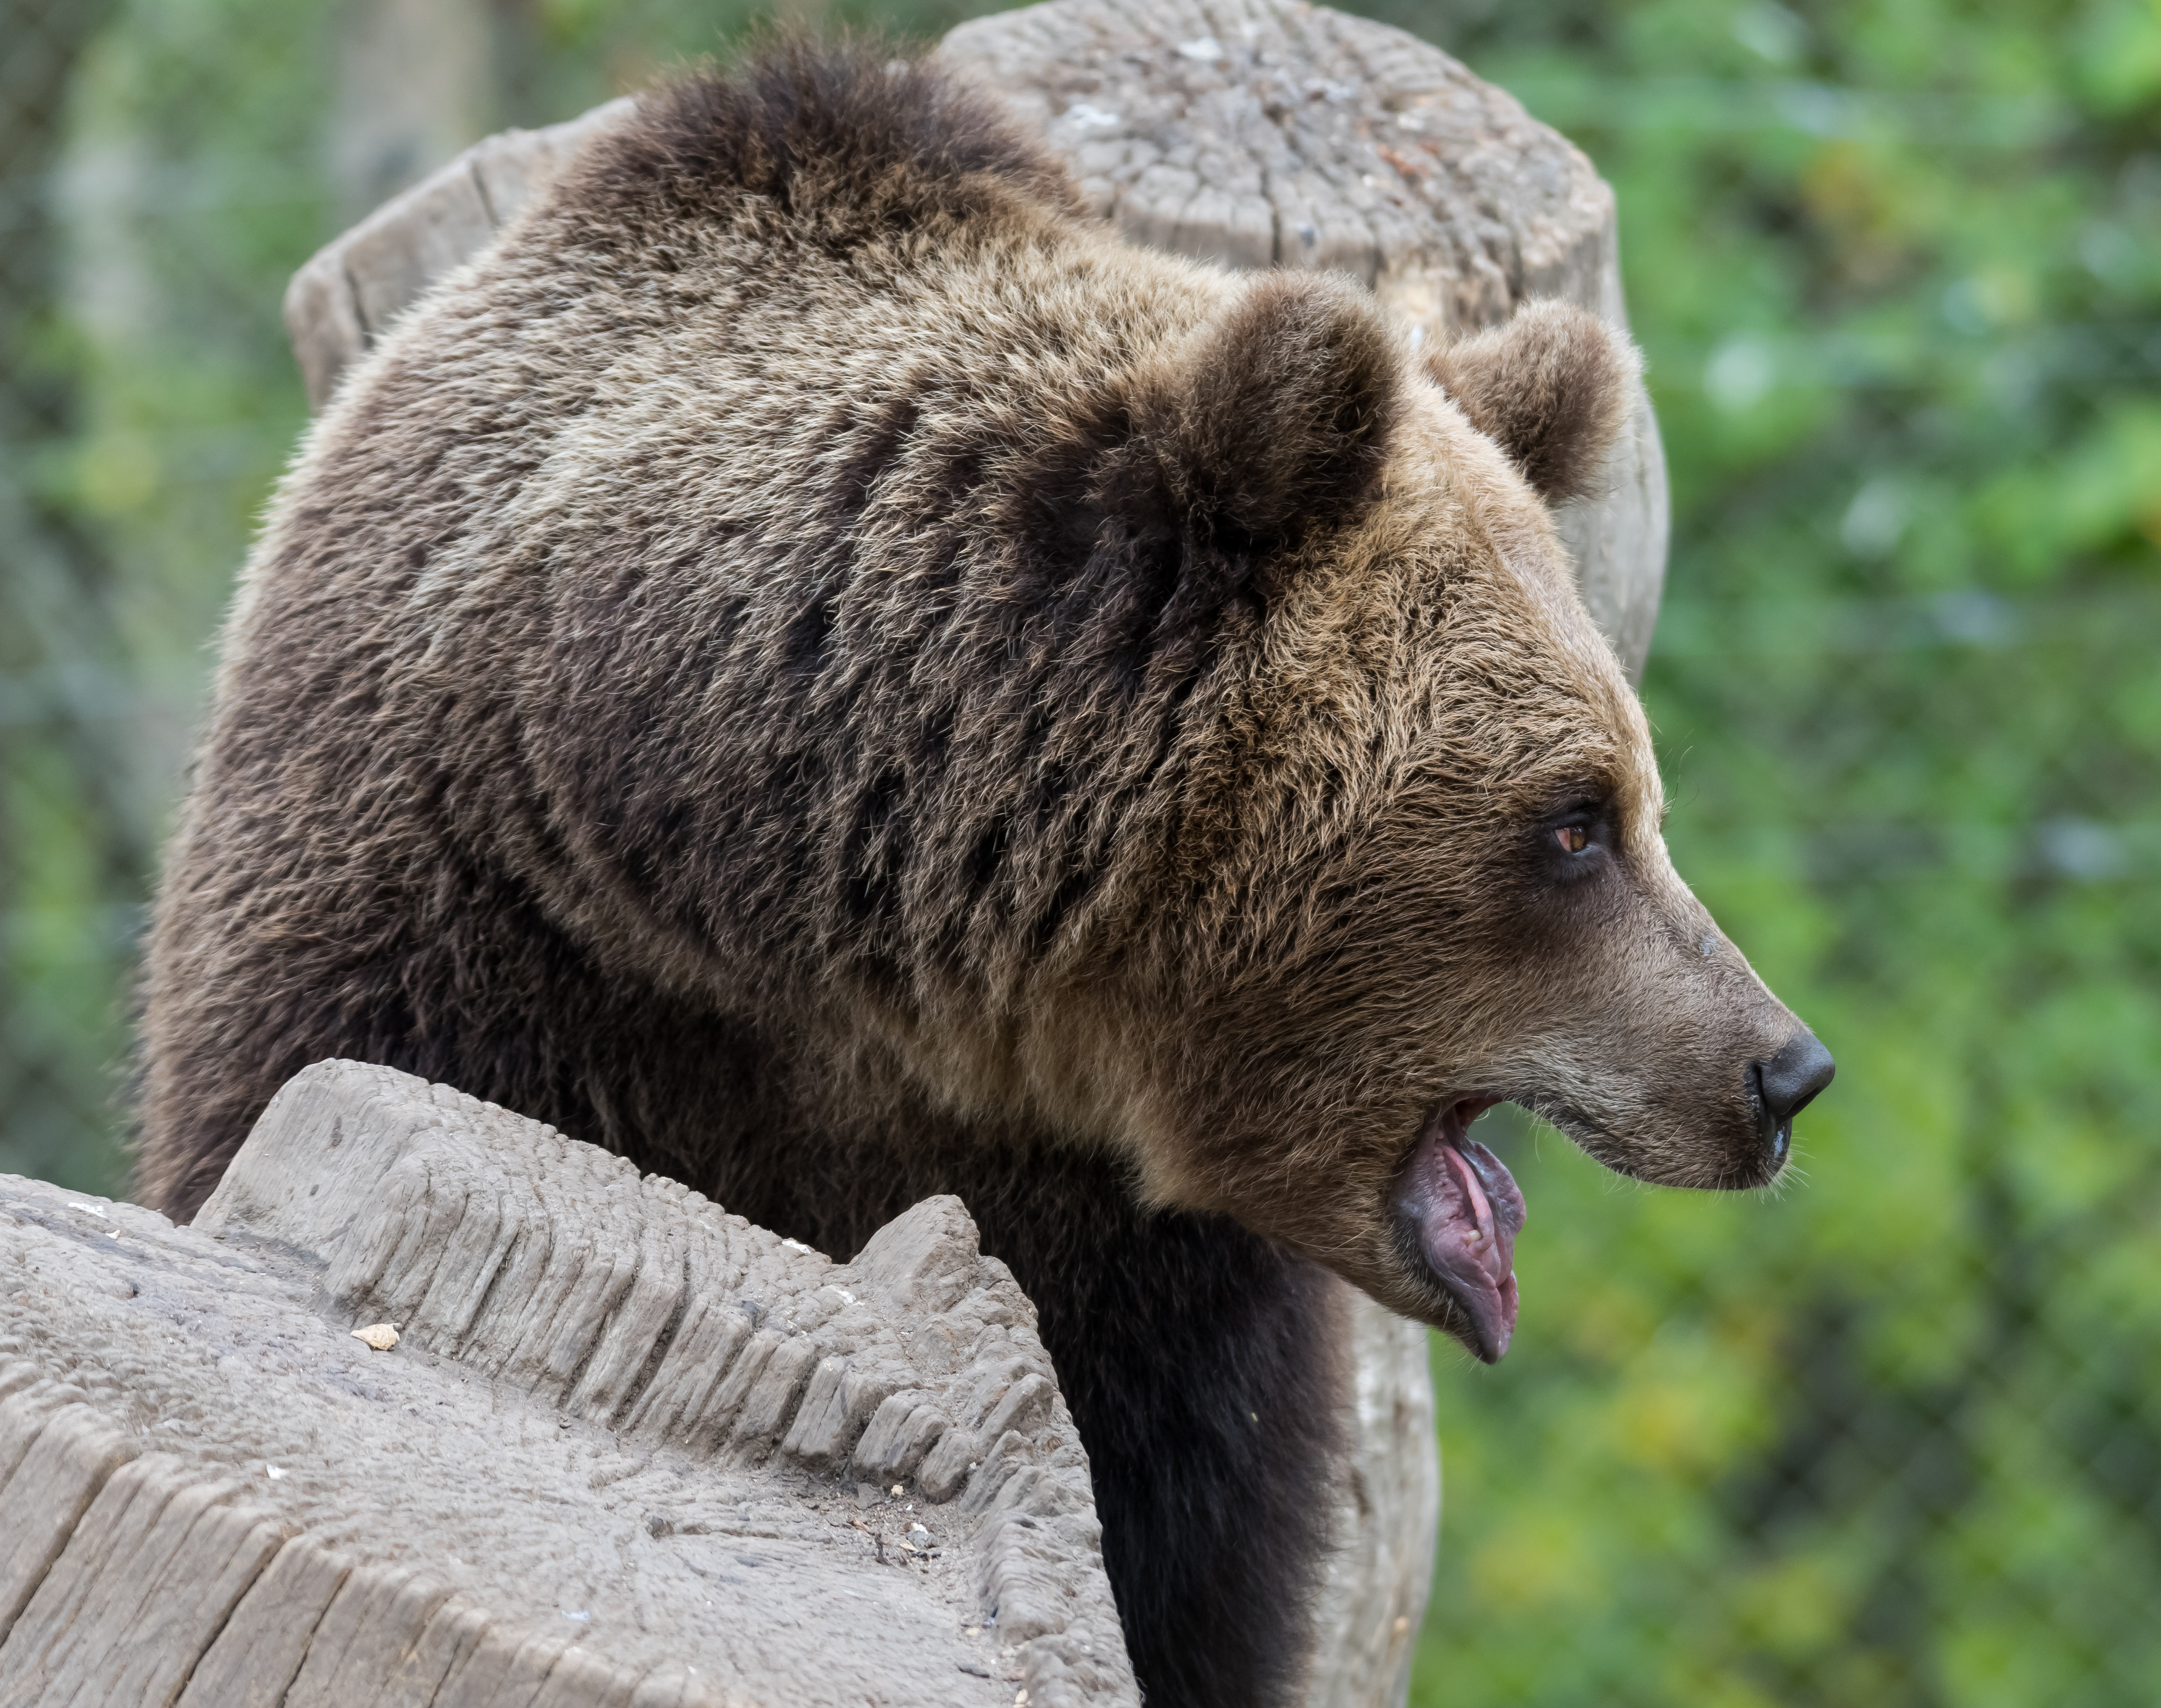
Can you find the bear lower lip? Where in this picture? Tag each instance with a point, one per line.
(1464, 1209)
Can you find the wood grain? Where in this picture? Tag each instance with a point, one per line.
(623, 1451)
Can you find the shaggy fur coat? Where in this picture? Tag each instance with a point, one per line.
(813, 666)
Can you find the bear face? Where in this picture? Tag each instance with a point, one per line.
(1111, 704)
(1437, 866)
(1413, 863)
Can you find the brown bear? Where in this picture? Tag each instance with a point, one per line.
(814, 666)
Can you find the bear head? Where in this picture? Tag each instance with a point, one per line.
(1402, 856)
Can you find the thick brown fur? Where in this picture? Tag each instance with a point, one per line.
(814, 667)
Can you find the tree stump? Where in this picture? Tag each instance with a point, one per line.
(627, 1451)
(1257, 134)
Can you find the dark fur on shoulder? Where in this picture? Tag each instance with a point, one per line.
(818, 669)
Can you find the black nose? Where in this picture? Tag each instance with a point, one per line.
(1784, 1085)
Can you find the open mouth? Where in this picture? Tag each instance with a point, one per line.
(1461, 1211)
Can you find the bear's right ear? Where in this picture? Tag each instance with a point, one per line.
(1275, 418)
(1554, 388)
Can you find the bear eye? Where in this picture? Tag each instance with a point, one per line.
(1576, 835)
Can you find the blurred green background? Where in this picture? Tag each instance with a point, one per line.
(1892, 1436)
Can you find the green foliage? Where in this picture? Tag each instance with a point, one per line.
(1889, 1437)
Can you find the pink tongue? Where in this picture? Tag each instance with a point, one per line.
(1467, 1210)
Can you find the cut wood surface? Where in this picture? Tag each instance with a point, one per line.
(1373, 1593)
(626, 1449)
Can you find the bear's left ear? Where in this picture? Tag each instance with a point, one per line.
(1554, 388)
(1275, 418)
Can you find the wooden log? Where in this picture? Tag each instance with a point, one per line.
(1387, 1517)
(1257, 134)
(626, 1450)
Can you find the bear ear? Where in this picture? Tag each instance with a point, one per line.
(1554, 388)
(1275, 418)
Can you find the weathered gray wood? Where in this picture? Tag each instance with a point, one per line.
(1373, 1598)
(622, 1453)
(1260, 134)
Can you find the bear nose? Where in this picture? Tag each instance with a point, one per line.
(1785, 1084)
